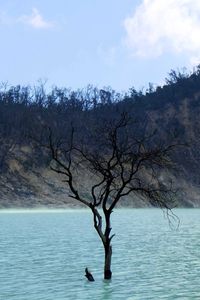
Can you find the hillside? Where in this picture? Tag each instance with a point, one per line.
(26, 179)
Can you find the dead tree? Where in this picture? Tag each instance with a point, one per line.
(121, 164)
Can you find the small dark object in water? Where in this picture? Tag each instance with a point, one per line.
(88, 275)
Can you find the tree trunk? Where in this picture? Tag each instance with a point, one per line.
(107, 265)
(105, 238)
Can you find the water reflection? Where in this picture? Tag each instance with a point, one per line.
(107, 290)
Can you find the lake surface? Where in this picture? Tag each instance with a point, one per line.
(43, 256)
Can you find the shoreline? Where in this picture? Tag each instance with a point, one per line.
(23, 210)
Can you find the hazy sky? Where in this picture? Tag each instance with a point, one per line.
(117, 43)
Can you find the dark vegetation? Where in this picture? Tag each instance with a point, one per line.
(170, 112)
(144, 144)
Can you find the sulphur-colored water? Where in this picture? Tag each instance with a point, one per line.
(43, 256)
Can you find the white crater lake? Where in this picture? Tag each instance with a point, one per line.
(43, 255)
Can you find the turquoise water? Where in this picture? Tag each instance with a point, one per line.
(43, 256)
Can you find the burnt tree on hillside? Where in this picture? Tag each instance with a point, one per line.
(120, 164)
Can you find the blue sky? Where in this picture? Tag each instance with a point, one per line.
(117, 43)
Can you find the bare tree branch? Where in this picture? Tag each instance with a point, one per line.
(120, 164)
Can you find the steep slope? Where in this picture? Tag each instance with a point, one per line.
(172, 111)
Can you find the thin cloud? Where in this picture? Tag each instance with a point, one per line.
(157, 27)
(107, 55)
(5, 19)
(35, 20)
